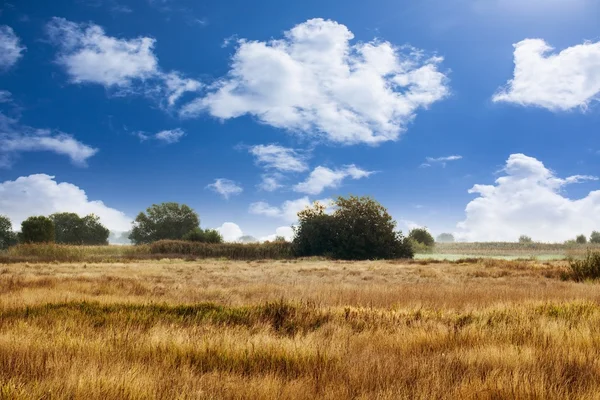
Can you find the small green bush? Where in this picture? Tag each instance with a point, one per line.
(595, 237)
(525, 239)
(586, 269)
(581, 239)
(422, 236)
(203, 236)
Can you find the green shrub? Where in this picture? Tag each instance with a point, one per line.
(525, 239)
(595, 237)
(203, 236)
(581, 239)
(586, 269)
(37, 230)
(7, 236)
(422, 236)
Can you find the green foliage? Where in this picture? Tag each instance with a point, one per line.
(7, 236)
(586, 269)
(163, 221)
(359, 229)
(419, 248)
(445, 238)
(595, 237)
(581, 239)
(70, 228)
(37, 230)
(422, 236)
(232, 251)
(525, 239)
(203, 236)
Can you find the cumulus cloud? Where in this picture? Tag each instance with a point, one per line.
(231, 232)
(89, 55)
(279, 158)
(270, 182)
(555, 81)
(288, 211)
(41, 194)
(429, 161)
(225, 187)
(322, 178)
(316, 82)
(11, 49)
(16, 138)
(529, 200)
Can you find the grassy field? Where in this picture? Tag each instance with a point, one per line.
(208, 329)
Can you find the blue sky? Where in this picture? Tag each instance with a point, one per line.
(135, 102)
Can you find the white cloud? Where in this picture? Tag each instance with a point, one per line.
(314, 81)
(279, 158)
(322, 178)
(284, 231)
(439, 160)
(557, 82)
(231, 232)
(529, 200)
(10, 47)
(5, 96)
(42, 195)
(89, 55)
(170, 136)
(288, 211)
(225, 187)
(270, 182)
(16, 138)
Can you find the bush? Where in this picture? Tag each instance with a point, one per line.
(586, 269)
(595, 237)
(203, 236)
(525, 239)
(359, 229)
(422, 236)
(163, 221)
(37, 230)
(581, 239)
(232, 251)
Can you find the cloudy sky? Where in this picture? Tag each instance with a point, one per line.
(478, 117)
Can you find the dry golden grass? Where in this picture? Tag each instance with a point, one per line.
(172, 329)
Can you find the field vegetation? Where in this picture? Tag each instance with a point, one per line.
(297, 329)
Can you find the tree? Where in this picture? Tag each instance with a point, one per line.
(595, 237)
(7, 236)
(445, 238)
(70, 228)
(581, 239)
(203, 236)
(359, 229)
(525, 239)
(94, 233)
(422, 236)
(163, 221)
(37, 230)
(247, 239)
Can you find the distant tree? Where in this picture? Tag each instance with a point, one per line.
(581, 239)
(94, 233)
(595, 237)
(247, 239)
(70, 228)
(280, 239)
(360, 228)
(525, 239)
(163, 221)
(422, 236)
(203, 236)
(445, 238)
(7, 236)
(37, 230)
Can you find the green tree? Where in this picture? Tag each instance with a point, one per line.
(359, 229)
(445, 238)
(525, 239)
(163, 221)
(422, 236)
(7, 236)
(581, 239)
(204, 236)
(94, 233)
(38, 229)
(68, 228)
(595, 237)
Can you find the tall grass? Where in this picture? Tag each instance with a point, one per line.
(231, 251)
(585, 269)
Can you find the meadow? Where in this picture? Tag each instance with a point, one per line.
(176, 328)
